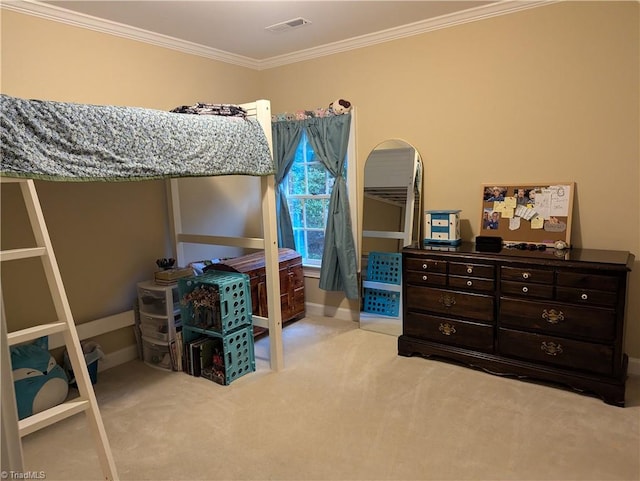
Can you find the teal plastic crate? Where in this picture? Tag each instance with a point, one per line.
(378, 301)
(217, 301)
(229, 357)
(384, 267)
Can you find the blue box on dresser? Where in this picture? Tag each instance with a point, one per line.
(442, 227)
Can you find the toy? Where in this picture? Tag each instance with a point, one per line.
(340, 106)
(40, 383)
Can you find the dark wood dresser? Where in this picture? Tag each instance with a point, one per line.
(554, 316)
(292, 299)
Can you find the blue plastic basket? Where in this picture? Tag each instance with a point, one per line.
(378, 301)
(227, 304)
(384, 267)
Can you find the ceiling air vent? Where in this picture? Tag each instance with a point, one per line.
(288, 25)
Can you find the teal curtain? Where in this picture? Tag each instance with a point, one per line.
(329, 137)
(286, 137)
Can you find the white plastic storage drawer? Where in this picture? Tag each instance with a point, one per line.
(155, 302)
(154, 327)
(156, 355)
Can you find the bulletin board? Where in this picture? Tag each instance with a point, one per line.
(531, 213)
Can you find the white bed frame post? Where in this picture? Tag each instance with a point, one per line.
(86, 402)
(261, 110)
(270, 234)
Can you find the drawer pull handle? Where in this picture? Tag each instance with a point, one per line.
(525, 289)
(469, 283)
(424, 278)
(526, 275)
(447, 300)
(447, 329)
(551, 348)
(469, 270)
(552, 316)
(425, 266)
(584, 297)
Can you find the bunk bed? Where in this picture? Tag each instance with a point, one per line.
(60, 141)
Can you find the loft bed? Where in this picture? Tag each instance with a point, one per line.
(59, 141)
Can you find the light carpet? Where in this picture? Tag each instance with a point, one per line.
(346, 407)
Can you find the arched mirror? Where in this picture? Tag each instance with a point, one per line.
(391, 219)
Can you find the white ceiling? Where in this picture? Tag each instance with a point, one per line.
(235, 30)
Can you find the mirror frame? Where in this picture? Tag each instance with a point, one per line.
(383, 323)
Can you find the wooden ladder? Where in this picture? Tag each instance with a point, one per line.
(86, 402)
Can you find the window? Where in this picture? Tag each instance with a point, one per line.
(308, 188)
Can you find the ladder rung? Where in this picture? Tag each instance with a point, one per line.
(52, 415)
(25, 253)
(35, 332)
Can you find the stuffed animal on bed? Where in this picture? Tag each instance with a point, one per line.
(39, 382)
(340, 106)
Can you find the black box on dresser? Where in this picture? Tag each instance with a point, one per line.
(555, 316)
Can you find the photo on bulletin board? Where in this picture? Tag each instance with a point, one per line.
(531, 213)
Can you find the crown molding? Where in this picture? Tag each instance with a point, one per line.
(445, 21)
(57, 14)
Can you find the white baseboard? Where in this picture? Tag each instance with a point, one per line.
(634, 366)
(341, 313)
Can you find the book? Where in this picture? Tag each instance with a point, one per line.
(174, 274)
(179, 364)
(173, 352)
(196, 360)
(213, 367)
(188, 355)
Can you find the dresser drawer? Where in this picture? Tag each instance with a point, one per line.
(557, 351)
(524, 274)
(558, 319)
(587, 281)
(526, 290)
(472, 283)
(425, 265)
(451, 303)
(425, 278)
(586, 296)
(465, 334)
(472, 270)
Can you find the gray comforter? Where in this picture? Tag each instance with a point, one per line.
(78, 142)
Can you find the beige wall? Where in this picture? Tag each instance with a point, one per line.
(544, 95)
(106, 235)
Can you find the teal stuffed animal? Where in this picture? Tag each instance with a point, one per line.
(40, 383)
